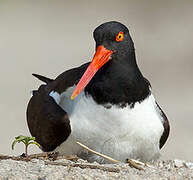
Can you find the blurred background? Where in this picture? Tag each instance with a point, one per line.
(49, 37)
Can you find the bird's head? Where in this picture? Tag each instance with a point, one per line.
(113, 42)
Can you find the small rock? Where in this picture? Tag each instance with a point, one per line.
(178, 163)
(189, 165)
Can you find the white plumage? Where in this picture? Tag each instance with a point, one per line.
(120, 133)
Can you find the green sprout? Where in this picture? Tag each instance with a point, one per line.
(27, 141)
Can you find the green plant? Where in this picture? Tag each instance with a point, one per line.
(27, 141)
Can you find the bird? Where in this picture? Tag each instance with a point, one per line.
(105, 104)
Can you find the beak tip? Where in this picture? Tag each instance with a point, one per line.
(74, 95)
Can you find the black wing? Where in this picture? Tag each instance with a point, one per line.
(47, 121)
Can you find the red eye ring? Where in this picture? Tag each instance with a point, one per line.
(120, 36)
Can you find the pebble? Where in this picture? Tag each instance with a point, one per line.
(178, 163)
(189, 165)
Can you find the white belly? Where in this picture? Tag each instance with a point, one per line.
(120, 133)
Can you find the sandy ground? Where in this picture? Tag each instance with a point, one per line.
(38, 169)
(49, 37)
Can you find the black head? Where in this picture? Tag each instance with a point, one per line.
(108, 35)
(113, 75)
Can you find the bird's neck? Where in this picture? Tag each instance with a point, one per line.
(119, 82)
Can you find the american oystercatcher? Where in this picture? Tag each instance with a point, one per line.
(105, 104)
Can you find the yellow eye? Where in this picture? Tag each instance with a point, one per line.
(120, 36)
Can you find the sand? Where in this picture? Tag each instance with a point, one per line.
(43, 170)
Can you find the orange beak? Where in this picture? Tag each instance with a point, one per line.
(101, 57)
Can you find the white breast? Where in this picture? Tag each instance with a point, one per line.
(118, 132)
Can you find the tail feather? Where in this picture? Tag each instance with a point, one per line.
(43, 78)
